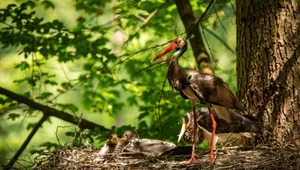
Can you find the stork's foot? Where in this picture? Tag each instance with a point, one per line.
(211, 156)
(192, 160)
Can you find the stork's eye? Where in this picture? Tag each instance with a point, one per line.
(176, 41)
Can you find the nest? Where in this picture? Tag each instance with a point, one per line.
(87, 157)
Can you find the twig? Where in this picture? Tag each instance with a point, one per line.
(72, 87)
(125, 57)
(150, 66)
(159, 105)
(145, 21)
(210, 49)
(56, 133)
(200, 19)
(75, 133)
(220, 39)
(26, 142)
(218, 18)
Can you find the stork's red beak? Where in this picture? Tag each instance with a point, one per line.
(171, 47)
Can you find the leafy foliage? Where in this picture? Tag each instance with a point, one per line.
(109, 46)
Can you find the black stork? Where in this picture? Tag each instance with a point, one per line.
(241, 125)
(199, 87)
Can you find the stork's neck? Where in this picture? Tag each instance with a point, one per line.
(174, 67)
(175, 72)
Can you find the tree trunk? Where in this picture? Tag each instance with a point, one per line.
(268, 66)
(187, 17)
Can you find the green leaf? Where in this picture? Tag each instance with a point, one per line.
(66, 85)
(143, 115)
(13, 116)
(49, 145)
(71, 107)
(23, 65)
(44, 95)
(52, 82)
(36, 151)
(30, 125)
(69, 134)
(48, 4)
(32, 81)
(30, 4)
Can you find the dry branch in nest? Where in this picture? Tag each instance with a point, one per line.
(87, 157)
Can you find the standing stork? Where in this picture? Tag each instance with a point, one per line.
(199, 87)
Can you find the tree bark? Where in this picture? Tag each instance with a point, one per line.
(268, 66)
(187, 17)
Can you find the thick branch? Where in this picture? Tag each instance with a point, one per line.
(48, 111)
(201, 55)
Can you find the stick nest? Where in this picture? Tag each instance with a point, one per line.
(87, 157)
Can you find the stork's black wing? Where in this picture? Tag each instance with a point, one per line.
(239, 122)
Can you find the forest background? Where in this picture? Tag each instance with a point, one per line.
(91, 59)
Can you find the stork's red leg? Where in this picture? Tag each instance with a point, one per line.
(193, 159)
(214, 125)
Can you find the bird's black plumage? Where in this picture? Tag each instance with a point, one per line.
(199, 87)
(240, 126)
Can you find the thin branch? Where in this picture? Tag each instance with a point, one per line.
(159, 105)
(26, 142)
(145, 21)
(218, 18)
(150, 67)
(75, 132)
(219, 38)
(210, 49)
(200, 19)
(63, 92)
(125, 57)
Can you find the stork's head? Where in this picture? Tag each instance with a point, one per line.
(187, 129)
(185, 124)
(179, 45)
